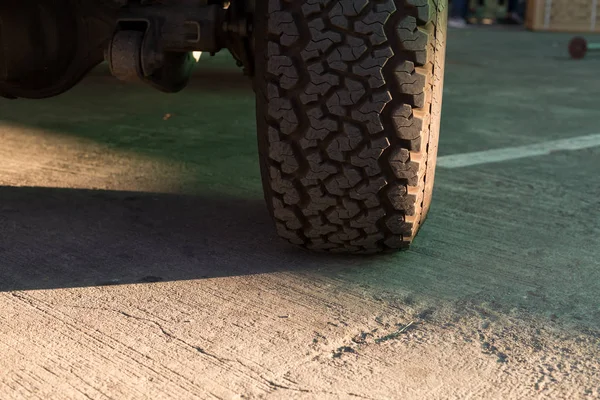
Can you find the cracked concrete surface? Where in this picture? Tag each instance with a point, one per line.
(137, 260)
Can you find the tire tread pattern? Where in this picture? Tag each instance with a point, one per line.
(352, 99)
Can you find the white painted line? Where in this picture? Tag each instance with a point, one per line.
(514, 153)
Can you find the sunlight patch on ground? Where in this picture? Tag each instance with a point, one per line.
(47, 158)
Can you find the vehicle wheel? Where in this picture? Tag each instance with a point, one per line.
(348, 113)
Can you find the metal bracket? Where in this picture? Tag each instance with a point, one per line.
(154, 43)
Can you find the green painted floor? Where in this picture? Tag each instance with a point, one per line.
(520, 236)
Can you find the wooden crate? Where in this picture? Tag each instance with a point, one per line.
(563, 15)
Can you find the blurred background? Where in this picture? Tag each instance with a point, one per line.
(488, 12)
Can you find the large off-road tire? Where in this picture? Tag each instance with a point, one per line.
(348, 112)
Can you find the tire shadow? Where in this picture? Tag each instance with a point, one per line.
(60, 238)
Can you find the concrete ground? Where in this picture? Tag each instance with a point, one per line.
(137, 260)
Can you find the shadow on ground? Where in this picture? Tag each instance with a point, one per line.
(61, 238)
(57, 238)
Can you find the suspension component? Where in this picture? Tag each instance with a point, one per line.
(124, 55)
(47, 47)
(154, 44)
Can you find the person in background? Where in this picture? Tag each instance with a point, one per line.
(458, 14)
(513, 16)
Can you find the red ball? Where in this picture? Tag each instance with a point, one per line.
(578, 48)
